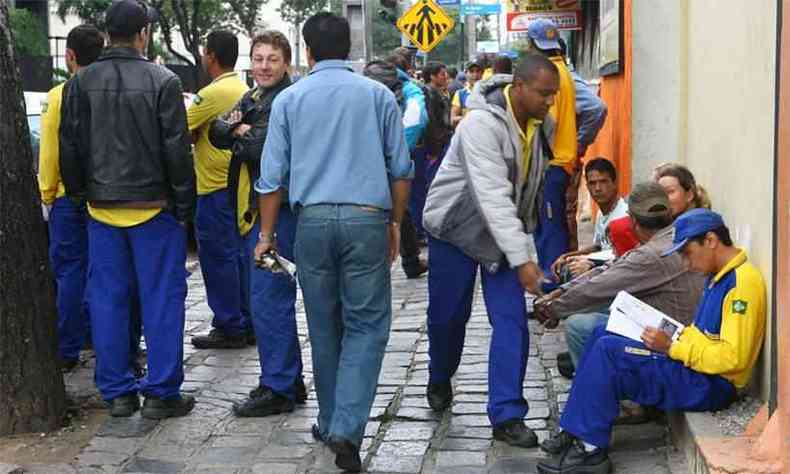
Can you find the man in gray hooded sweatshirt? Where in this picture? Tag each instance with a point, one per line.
(480, 210)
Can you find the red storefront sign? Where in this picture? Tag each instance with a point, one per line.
(565, 20)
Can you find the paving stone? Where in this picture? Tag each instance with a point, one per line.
(471, 420)
(409, 431)
(469, 408)
(455, 458)
(133, 427)
(514, 466)
(461, 431)
(465, 444)
(422, 414)
(154, 466)
(274, 468)
(395, 464)
(402, 448)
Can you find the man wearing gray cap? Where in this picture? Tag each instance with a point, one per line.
(664, 283)
(125, 149)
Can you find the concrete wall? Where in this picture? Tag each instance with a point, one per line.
(703, 95)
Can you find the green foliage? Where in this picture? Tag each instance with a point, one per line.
(89, 11)
(59, 75)
(296, 12)
(449, 50)
(30, 38)
(386, 36)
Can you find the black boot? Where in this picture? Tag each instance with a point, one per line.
(515, 433)
(557, 443)
(575, 459)
(440, 396)
(217, 339)
(346, 455)
(300, 392)
(125, 405)
(158, 409)
(263, 402)
(565, 365)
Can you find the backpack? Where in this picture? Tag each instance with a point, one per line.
(438, 131)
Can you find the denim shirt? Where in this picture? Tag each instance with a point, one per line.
(335, 137)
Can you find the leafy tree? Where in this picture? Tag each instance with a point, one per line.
(29, 34)
(89, 11)
(247, 14)
(296, 12)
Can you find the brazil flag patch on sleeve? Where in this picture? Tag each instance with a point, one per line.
(739, 306)
(197, 100)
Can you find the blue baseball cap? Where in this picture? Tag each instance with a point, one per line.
(692, 224)
(544, 33)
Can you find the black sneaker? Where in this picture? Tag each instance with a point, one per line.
(346, 455)
(217, 339)
(558, 443)
(263, 402)
(565, 365)
(440, 396)
(158, 409)
(576, 460)
(125, 405)
(249, 336)
(417, 271)
(515, 433)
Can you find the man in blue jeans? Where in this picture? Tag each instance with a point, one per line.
(336, 142)
(480, 209)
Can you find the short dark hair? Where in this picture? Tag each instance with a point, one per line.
(722, 232)
(503, 65)
(399, 61)
(528, 68)
(431, 69)
(225, 47)
(87, 42)
(601, 165)
(276, 40)
(452, 72)
(328, 36)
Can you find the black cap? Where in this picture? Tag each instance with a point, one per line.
(125, 18)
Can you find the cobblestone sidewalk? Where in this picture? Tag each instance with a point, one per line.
(403, 435)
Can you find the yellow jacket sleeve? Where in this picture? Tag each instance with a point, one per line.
(734, 353)
(49, 182)
(457, 99)
(564, 114)
(204, 108)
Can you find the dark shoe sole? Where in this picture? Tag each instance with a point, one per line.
(162, 413)
(268, 411)
(225, 345)
(604, 467)
(346, 457)
(506, 439)
(126, 412)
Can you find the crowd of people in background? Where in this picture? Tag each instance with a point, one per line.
(341, 173)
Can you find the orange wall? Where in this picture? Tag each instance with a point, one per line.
(614, 139)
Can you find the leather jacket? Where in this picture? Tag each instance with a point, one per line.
(123, 137)
(255, 107)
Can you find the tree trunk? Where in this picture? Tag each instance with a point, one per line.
(32, 396)
(298, 43)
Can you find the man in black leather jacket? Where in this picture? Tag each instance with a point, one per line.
(272, 296)
(125, 149)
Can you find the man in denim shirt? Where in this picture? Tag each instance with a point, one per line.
(336, 143)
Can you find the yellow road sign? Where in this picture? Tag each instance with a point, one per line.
(426, 24)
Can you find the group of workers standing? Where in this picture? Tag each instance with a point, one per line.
(320, 172)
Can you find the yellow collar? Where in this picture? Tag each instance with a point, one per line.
(734, 263)
(224, 75)
(530, 122)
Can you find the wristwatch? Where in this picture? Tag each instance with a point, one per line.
(267, 238)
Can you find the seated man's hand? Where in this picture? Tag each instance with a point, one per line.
(579, 265)
(556, 267)
(530, 276)
(656, 340)
(543, 312)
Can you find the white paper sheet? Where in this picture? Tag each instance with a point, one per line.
(630, 316)
(600, 256)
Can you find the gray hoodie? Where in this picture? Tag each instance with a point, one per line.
(479, 200)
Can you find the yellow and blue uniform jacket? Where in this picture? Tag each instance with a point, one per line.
(50, 184)
(728, 329)
(217, 98)
(563, 112)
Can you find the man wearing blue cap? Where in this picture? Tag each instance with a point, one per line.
(700, 371)
(556, 234)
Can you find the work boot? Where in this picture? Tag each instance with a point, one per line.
(346, 454)
(417, 271)
(263, 402)
(565, 365)
(557, 443)
(125, 405)
(158, 409)
(440, 396)
(217, 339)
(515, 433)
(575, 459)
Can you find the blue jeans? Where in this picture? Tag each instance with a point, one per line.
(616, 368)
(344, 270)
(220, 249)
(578, 329)
(451, 284)
(551, 235)
(273, 305)
(145, 261)
(68, 255)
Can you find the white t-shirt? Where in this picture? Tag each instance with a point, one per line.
(602, 221)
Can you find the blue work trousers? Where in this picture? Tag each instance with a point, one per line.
(451, 284)
(145, 261)
(615, 368)
(419, 189)
(551, 235)
(68, 255)
(273, 305)
(342, 256)
(220, 250)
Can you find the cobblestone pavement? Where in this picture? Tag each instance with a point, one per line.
(403, 435)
